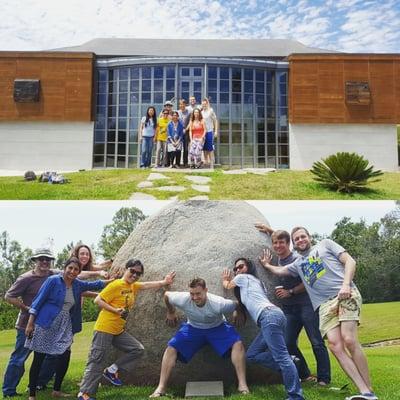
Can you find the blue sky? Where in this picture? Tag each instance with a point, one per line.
(343, 25)
(38, 223)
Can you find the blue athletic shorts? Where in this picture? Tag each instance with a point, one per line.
(188, 340)
(209, 141)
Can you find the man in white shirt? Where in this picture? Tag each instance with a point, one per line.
(206, 324)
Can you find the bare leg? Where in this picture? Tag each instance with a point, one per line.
(336, 345)
(350, 339)
(168, 362)
(238, 356)
(206, 157)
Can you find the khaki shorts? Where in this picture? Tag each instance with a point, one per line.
(335, 311)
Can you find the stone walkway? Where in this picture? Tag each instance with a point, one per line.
(199, 183)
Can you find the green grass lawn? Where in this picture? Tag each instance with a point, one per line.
(120, 184)
(380, 322)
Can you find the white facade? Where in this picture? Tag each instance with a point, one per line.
(46, 146)
(311, 142)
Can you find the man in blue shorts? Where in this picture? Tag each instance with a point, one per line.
(206, 324)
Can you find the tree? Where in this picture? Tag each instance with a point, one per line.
(376, 249)
(123, 224)
(14, 260)
(63, 255)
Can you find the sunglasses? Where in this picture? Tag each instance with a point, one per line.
(42, 259)
(239, 267)
(135, 272)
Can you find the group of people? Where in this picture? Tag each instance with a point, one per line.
(190, 130)
(316, 291)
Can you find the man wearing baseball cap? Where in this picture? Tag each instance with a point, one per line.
(21, 295)
(168, 105)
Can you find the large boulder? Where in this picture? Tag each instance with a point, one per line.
(196, 239)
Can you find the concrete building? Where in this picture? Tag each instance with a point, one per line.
(279, 103)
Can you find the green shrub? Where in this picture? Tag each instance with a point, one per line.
(344, 172)
(9, 313)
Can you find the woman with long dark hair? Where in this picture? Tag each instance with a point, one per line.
(88, 267)
(147, 130)
(268, 348)
(55, 316)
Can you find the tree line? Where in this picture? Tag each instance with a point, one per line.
(375, 247)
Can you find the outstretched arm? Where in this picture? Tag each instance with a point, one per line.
(264, 228)
(265, 260)
(168, 280)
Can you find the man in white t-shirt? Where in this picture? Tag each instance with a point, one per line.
(327, 271)
(206, 324)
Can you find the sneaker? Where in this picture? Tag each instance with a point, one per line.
(296, 361)
(363, 396)
(112, 378)
(85, 396)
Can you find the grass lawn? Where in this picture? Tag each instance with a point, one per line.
(380, 321)
(120, 184)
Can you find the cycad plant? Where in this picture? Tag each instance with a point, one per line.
(344, 172)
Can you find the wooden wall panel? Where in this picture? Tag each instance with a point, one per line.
(317, 88)
(66, 81)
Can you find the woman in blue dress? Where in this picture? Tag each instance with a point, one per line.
(55, 316)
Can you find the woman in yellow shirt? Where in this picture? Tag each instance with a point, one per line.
(161, 139)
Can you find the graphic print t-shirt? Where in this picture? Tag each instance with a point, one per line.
(321, 271)
(118, 294)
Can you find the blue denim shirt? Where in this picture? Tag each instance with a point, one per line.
(179, 131)
(50, 299)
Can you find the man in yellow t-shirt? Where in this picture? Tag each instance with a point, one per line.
(161, 139)
(115, 302)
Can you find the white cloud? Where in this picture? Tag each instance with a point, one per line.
(347, 25)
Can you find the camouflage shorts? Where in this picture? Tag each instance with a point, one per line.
(335, 311)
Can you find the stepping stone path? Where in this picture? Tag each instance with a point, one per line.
(200, 183)
(156, 176)
(145, 184)
(170, 188)
(201, 188)
(200, 180)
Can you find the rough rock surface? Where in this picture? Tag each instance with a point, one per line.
(196, 239)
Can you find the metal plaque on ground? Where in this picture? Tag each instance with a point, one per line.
(205, 388)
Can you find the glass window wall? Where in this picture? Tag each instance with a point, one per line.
(250, 102)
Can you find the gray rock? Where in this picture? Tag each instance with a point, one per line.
(196, 239)
(201, 188)
(155, 176)
(170, 188)
(145, 184)
(201, 180)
